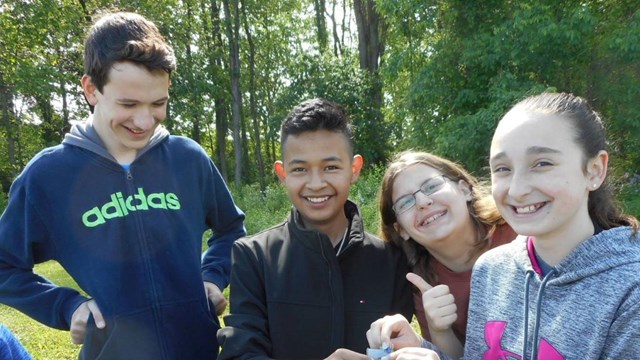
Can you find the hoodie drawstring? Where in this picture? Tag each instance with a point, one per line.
(536, 326)
(527, 281)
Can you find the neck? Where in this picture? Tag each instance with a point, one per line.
(554, 247)
(458, 252)
(335, 230)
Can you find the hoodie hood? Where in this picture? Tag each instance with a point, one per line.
(599, 253)
(84, 135)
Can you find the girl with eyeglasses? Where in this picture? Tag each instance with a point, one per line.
(444, 220)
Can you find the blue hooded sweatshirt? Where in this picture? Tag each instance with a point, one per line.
(131, 239)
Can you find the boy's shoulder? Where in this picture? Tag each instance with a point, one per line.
(272, 233)
(46, 159)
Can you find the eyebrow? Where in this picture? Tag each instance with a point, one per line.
(165, 98)
(533, 150)
(300, 161)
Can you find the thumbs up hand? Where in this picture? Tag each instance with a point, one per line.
(439, 306)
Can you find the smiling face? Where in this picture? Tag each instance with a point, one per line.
(129, 109)
(436, 220)
(537, 176)
(318, 170)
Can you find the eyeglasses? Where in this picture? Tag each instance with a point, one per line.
(428, 188)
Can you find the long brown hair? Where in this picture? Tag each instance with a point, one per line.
(482, 208)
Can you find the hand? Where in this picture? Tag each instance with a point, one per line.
(393, 330)
(439, 305)
(80, 318)
(215, 295)
(414, 354)
(344, 354)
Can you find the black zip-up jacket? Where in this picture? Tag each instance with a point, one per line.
(293, 298)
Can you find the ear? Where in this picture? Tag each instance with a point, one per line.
(356, 166)
(278, 167)
(403, 234)
(89, 90)
(466, 189)
(597, 170)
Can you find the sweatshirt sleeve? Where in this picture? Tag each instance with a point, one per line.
(226, 221)
(24, 242)
(427, 345)
(622, 339)
(246, 333)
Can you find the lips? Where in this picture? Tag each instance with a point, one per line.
(317, 200)
(528, 209)
(432, 218)
(134, 131)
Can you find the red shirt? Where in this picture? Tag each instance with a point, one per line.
(460, 286)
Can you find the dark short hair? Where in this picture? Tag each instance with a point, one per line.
(317, 114)
(124, 36)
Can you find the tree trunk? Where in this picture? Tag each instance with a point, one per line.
(252, 101)
(370, 25)
(371, 29)
(8, 116)
(195, 114)
(216, 63)
(236, 97)
(321, 24)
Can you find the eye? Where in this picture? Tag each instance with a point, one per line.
(404, 203)
(331, 167)
(298, 170)
(128, 105)
(431, 187)
(500, 169)
(542, 163)
(160, 104)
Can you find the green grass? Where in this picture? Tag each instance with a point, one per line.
(41, 341)
(263, 209)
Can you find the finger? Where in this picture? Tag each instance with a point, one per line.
(97, 314)
(433, 300)
(419, 282)
(79, 323)
(373, 334)
(220, 306)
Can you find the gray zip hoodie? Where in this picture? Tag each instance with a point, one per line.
(586, 307)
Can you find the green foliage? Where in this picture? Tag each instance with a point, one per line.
(365, 193)
(263, 209)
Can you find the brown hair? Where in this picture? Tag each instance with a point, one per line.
(124, 36)
(482, 208)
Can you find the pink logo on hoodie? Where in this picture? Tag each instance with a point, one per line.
(493, 332)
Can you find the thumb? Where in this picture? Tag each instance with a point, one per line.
(419, 282)
(97, 315)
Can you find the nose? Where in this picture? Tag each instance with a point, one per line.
(316, 181)
(519, 185)
(144, 119)
(423, 201)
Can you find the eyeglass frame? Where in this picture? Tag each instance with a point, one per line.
(420, 189)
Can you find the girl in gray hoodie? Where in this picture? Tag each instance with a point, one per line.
(569, 286)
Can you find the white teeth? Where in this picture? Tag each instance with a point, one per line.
(433, 218)
(527, 209)
(318, 200)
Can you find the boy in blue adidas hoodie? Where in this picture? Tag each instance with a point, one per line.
(122, 206)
